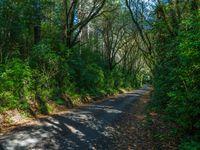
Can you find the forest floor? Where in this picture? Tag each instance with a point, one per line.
(116, 123)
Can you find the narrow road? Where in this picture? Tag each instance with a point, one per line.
(86, 128)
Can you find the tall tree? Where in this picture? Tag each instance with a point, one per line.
(37, 23)
(77, 14)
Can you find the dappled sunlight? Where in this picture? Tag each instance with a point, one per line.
(107, 109)
(75, 131)
(81, 128)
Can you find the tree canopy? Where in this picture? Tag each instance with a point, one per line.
(69, 50)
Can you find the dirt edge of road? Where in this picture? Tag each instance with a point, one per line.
(31, 120)
(135, 132)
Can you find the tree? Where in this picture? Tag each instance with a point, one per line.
(136, 9)
(37, 17)
(115, 38)
(143, 22)
(77, 14)
(176, 71)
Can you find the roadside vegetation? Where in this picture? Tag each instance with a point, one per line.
(49, 53)
(177, 71)
(63, 53)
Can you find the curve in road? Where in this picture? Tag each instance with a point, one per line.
(86, 128)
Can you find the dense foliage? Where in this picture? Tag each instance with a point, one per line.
(48, 53)
(177, 74)
(66, 52)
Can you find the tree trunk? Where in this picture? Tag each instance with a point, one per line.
(37, 26)
(37, 34)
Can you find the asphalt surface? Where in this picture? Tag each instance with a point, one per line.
(86, 128)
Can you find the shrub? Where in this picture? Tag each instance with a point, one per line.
(176, 80)
(21, 85)
(44, 59)
(92, 78)
(189, 144)
(184, 95)
(16, 84)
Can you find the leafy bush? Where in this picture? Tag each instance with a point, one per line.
(20, 85)
(118, 79)
(49, 74)
(177, 78)
(189, 144)
(92, 78)
(45, 59)
(16, 84)
(185, 95)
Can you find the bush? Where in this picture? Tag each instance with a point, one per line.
(20, 86)
(189, 144)
(44, 59)
(185, 94)
(176, 80)
(92, 78)
(16, 84)
(118, 79)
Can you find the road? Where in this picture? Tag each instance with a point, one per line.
(85, 128)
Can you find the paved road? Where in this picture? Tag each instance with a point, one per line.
(86, 128)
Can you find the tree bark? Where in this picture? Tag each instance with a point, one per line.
(37, 26)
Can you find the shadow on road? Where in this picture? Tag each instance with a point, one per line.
(86, 128)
